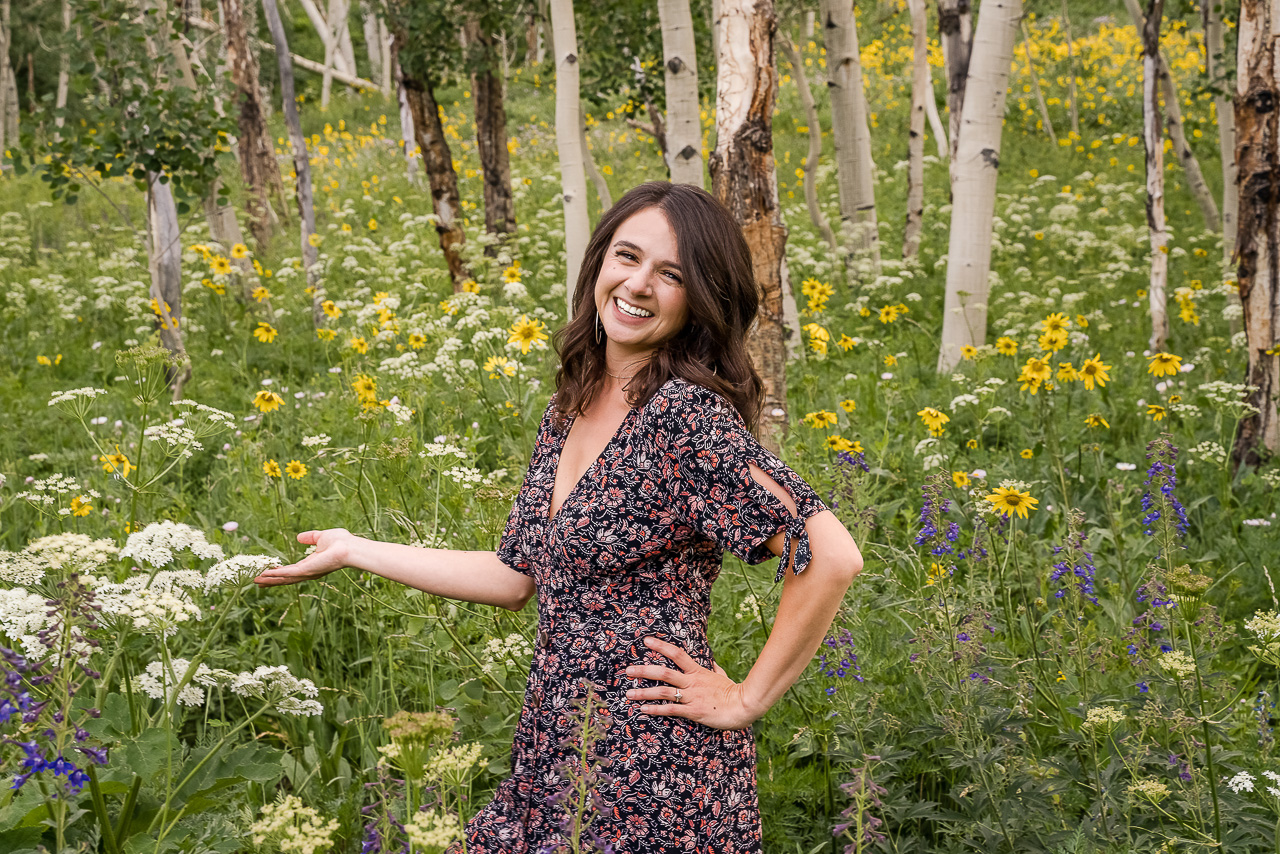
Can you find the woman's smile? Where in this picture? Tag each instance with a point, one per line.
(639, 292)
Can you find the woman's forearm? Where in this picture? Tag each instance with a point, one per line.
(471, 576)
(809, 603)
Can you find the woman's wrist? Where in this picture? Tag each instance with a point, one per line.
(753, 704)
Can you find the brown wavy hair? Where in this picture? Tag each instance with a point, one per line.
(720, 290)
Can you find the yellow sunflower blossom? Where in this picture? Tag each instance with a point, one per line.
(888, 313)
(1006, 502)
(1164, 365)
(499, 366)
(960, 478)
(1035, 373)
(1056, 322)
(1156, 411)
(839, 444)
(358, 344)
(967, 352)
(1006, 346)
(271, 468)
(296, 470)
(846, 343)
(116, 462)
(1095, 421)
(1053, 341)
(417, 340)
(848, 405)
(529, 334)
(326, 334)
(512, 273)
(266, 333)
(267, 401)
(934, 420)
(1067, 373)
(80, 506)
(821, 419)
(1094, 371)
(239, 251)
(330, 308)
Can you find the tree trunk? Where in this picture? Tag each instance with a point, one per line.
(1173, 124)
(809, 20)
(1072, 98)
(935, 122)
(491, 134)
(1258, 240)
(165, 263)
(1035, 86)
(372, 41)
(301, 158)
(684, 124)
(6, 77)
(593, 171)
(818, 218)
(388, 61)
(437, 162)
(1153, 142)
(974, 172)
(573, 179)
(1226, 113)
(855, 171)
(340, 19)
(546, 36)
(336, 25)
(408, 138)
(64, 64)
(257, 149)
(921, 92)
(955, 32)
(745, 181)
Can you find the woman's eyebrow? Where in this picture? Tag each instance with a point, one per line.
(627, 244)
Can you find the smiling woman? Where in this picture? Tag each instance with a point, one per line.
(643, 474)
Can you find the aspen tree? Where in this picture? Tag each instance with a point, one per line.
(744, 180)
(1258, 238)
(810, 164)
(1153, 143)
(573, 178)
(1225, 112)
(974, 172)
(680, 63)
(855, 171)
(921, 94)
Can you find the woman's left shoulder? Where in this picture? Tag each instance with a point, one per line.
(689, 402)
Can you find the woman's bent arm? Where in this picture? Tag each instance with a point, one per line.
(471, 576)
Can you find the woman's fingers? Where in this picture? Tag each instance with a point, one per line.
(657, 673)
(661, 692)
(681, 658)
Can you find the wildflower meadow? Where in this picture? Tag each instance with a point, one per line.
(1066, 637)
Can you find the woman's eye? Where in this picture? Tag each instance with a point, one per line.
(622, 253)
(675, 279)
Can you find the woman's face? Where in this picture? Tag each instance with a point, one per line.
(640, 290)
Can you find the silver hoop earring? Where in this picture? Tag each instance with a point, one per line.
(597, 327)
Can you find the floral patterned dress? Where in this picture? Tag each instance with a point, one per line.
(633, 552)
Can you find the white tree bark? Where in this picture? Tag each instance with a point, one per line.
(1177, 133)
(935, 122)
(974, 172)
(1214, 50)
(816, 215)
(593, 171)
(955, 32)
(684, 123)
(855, 170)
(921, 94)
(333, 48)
(372, 40)
(388, 61)
(573, 177)
(325, 31)
(408, 141)
(1153, 143)
(1258, 236)
(165, 263)
(64, 65)
(6, 75)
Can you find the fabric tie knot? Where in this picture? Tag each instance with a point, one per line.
(795, 537)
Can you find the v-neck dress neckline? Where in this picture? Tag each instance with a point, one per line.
(559, 453)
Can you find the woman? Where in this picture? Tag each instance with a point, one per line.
(643, 473)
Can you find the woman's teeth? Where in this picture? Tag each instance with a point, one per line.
(627, 308)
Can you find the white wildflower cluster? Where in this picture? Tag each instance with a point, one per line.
(206, 420)
(155, 609)
(45, 492)
(22, 615)
(464, 475)
(1242, 782)
(963, 400)
(453, 764)
(1274, 791)
(1018, 485)
(432, 831)
(748, 607)
(61, 553)
(1209, 452)
(442, 449)
(928, 447)
(1103, 718)
(1149, 790)
(76, 396)
(1266, 628)
(159, 682)
(1178, 664)
(512, 651)
(157, 543)
(320, 441)
(237, 570)
(1256, 523)
(180, 439)
(400, 412)
(1229, 397)
(515, 292)
(289, 694)
(294, 828)
(1272, 477)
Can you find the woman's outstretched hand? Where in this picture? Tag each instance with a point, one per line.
(333, 548)
(709, 697)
